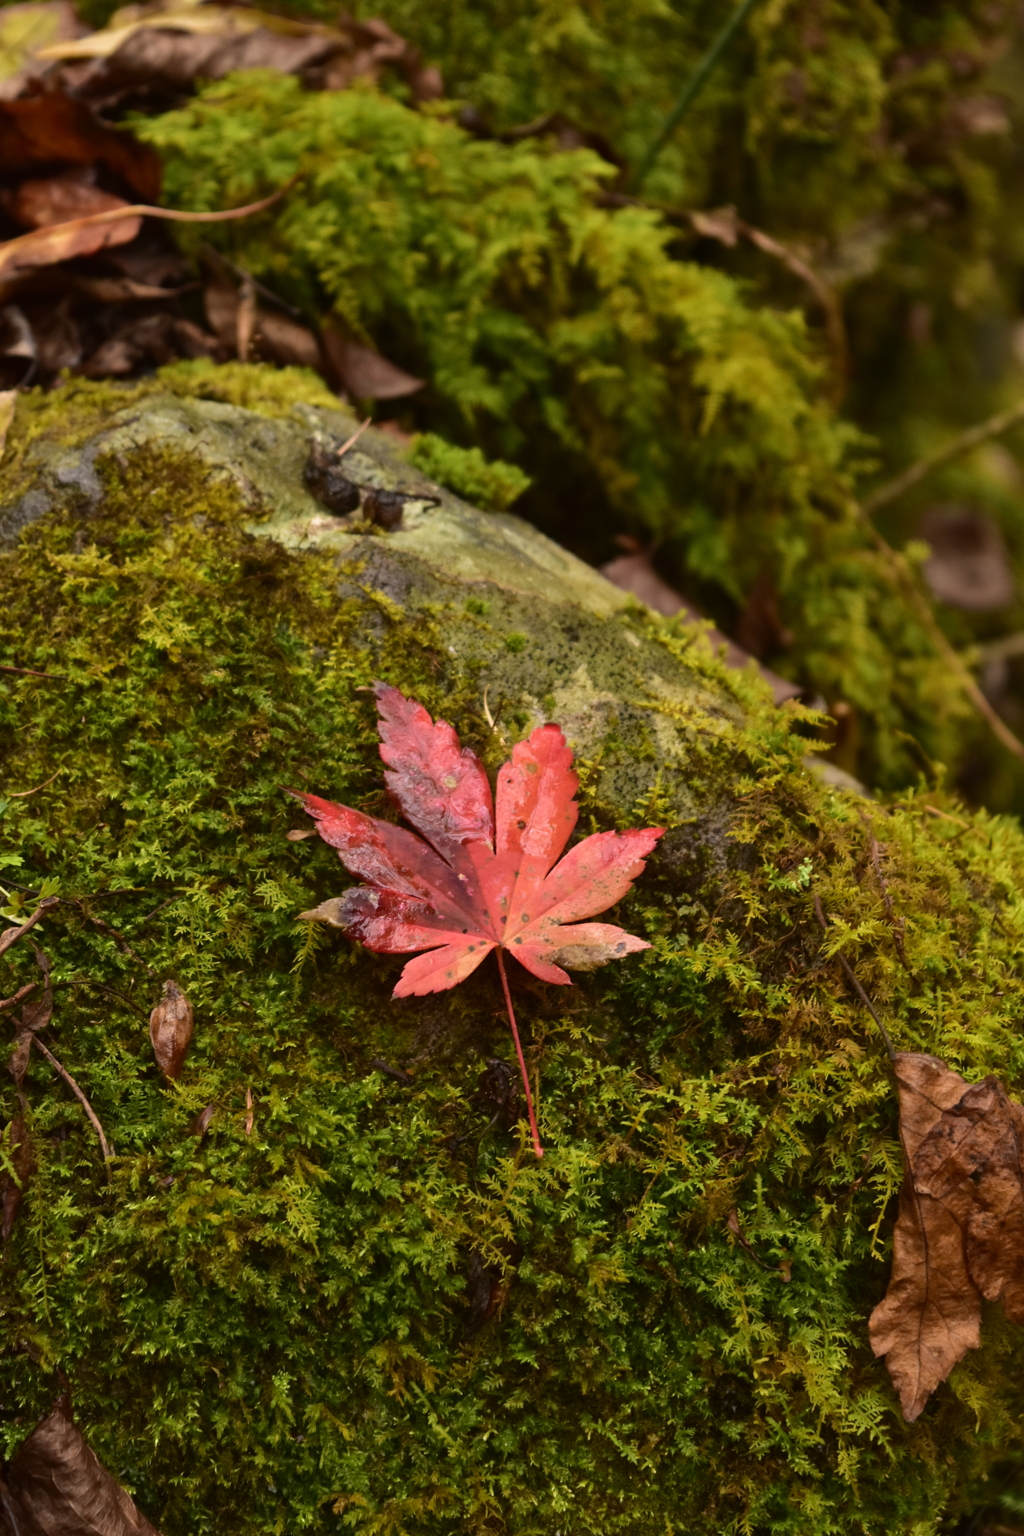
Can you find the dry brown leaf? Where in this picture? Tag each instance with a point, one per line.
(366, 375)
(960, 1231)
(46, 200)
(282, 340)
(973, 1156)
(84, 237)
(969, 565)
(170, 1030)
(56, 129)
(57, 1486)
(201, 1123)
(165, 49)
(8, 401)
(17, 348)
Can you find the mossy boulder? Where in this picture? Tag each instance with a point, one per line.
(324, 1284)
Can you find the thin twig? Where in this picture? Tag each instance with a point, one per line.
(12, 935)
(855, 984)
(23, 794)
(901, 569)
(538, 1149)
(160, 908)
(692, 88)
(18, 997)
(992, 427)
(356, 435)
(32, 672)
(876, 859)
(32, 248)
(94, 1119)
(99, 986)
(115, 933)
(724, 224)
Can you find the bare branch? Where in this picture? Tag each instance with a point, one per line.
(12, 935)
(992, 427)
(94, 1119)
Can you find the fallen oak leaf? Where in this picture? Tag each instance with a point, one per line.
(56, 1483)
(96, 231)
(972, 1159)
(959, 1234)
(489, 876)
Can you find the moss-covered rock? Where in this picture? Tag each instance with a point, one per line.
(375, 1310)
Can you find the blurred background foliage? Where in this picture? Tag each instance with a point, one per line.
(820, 283)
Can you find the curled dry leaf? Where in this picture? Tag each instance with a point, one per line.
(959, 1234)
(57, 1486)
(365, 374)
(170, 1030)
(201, 1123)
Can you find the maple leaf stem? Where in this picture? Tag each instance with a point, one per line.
(519, 1052)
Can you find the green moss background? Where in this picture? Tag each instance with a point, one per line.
(284, 1330)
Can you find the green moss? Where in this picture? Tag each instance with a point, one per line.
(636, 389)
(275, 1332)
(493, 486)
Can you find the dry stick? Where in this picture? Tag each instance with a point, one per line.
(992, 427)
(901, 567)
(855, 984)
(725, 226)
(831, 305)
(23, 794)
(14, 934)
(31, 672)
(356, 435)
(519, 1052)
(39, 239)
(79, 1095)
(18, 997)
(875, 850)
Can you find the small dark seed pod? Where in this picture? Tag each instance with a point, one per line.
(324, 480)
(385, 507)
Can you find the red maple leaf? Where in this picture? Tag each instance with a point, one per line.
(489, 879)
